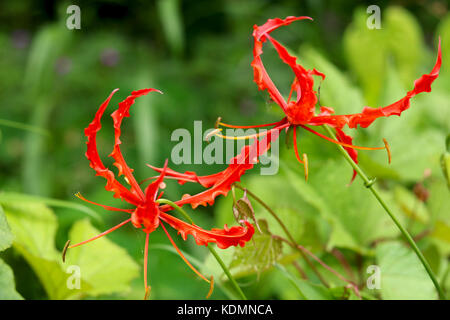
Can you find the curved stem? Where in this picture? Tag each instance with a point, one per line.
(210, 247)
(369, 184)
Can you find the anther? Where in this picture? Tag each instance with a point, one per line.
(305, 164)
(216, 125)
(211, 287)
(147, 292)
(66, 246)
(388, 150)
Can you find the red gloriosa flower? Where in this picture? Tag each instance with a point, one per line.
(301, 111)
(147, 213)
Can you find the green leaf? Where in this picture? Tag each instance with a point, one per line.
(258, 255)
(415, 144)
(6, 237)
(336, 90)
(354, 225)
(443, 31)
(34, 226)
(105, 266)
(404, 38)
(400, 37)
(362, 44)
(402, 275)
(7, 286)
(307, 289)
(20, 198)
(410, 205)
(53, 275)
(445, 162)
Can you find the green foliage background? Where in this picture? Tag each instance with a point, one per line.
(52, 80)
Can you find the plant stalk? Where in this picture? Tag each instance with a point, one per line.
(369, 184)
(210, 247)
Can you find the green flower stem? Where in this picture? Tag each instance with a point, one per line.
(210, 247)
(369, 184)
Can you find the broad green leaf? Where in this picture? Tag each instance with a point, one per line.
(439, 201)
(258, 255)
(6, 237)
(415, 145)
(355, 224)
(441, 236)
(53, 275)
(404, 38)
(20, 197)
(445, 162)
(443, 31)
(7, 286)
(34, 226)
(402, 275)
(307, 289)
(336, 90)
(410, 205)
(366, 51)
(105, 266)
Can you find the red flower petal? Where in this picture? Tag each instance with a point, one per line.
(190, 176)
(261, 77)
(152, 189)
(304, 108)
(96, 163)
(224, 238)
(118, 115)
(368, 115)
(342, 137)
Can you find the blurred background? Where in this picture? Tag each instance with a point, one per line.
(52, 81)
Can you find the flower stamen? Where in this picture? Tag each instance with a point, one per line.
(211, 287)
(219, 123)
(343, 143)
(181, 254)
(304, 159)
(147, 288)
(97, 236)
(253, 136)
(388, 149)
(79, 196)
